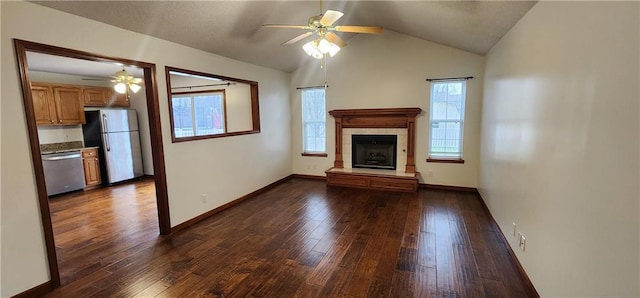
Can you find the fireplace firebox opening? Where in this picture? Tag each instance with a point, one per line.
(374, 151)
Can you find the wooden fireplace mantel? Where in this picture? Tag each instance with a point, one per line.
(377, 118)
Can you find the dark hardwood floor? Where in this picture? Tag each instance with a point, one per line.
(96, 228)
(302, 239)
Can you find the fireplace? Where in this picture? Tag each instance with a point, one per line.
(391, 170)
(374, 151)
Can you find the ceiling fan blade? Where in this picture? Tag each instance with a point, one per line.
(359, 29)
(330, 17)
(297, 38)
(286, 26)
(335, 39)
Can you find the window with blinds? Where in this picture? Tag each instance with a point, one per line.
(314, 120)
(447, 119)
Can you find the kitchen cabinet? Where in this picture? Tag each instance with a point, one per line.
(57, 104)
(104, 97)
(91, 165)
(116, 99)
(44, 106)
(69, 105)
(94, 97)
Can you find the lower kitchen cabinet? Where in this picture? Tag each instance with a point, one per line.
(91, 165)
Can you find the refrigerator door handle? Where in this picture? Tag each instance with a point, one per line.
(106, 141)
(104, 123)
(106, 129)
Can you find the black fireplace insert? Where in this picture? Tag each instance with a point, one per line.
(374, 151)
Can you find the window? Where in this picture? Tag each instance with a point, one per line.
(206, 106)
(313, 121)
(446, 120)
(199, 113)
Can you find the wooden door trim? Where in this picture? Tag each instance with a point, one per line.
(153, 108)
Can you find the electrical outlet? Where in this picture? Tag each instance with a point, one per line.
(430, 173)
(204, 198)
(515, 229)
(314, 167)
(522, 241)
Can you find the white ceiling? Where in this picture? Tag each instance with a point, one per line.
(79, 67)
(232, 28)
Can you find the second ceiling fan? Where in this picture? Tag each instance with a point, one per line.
(328, 42)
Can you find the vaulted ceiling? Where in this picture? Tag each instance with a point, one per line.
(233, 28)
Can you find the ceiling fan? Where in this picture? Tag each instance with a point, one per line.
(123, 80)
(328, 42)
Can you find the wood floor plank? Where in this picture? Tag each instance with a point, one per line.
(412, 225)
(329, 262)
(402, 284)
(336, 284)
(354, 253)
(445, 264)
(482, 255)
(357, 287)
(299, 239)
(426, 282)
(427, 250)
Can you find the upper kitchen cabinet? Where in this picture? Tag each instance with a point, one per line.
(66, 101)
(44, 106)
(69, 105)
(118, 100)
(94, 97)
(104, 97)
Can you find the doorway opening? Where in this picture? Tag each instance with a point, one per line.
(158, 182)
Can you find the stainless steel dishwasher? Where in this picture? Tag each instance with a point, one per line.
(63, 172)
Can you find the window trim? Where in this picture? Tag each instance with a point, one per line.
(194, 137)
(317, 154)
(304, 151)
(442, 158)
(254, 98)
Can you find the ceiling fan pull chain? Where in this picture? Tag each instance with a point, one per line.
(325, 69)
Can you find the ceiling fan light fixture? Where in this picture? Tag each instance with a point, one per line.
(120, 88)
(135, 88)
(324, 46)
(333, 50)
(319, 47)
(311, 48)
(124, 81)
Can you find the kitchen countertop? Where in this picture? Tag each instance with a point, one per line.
(67, 150)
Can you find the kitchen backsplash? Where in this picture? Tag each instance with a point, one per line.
(61, 146)
(59, 134)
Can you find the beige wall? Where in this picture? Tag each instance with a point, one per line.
(139, 103)
(389, 71)
(224, 168)
(560, 146)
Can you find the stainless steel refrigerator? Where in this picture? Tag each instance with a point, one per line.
(116, 134)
